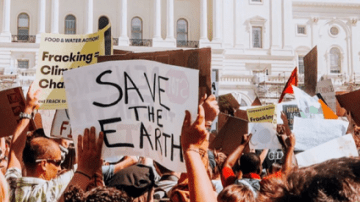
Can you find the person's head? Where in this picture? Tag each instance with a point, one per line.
(236, 193)
(42, 158)
(216, 161)
(105, 194)
(4, 147)
(332, 180)
(250, 163)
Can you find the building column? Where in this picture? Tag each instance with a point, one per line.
(55, 16)
(354, 50)
(123, 39)
(217, 18)
(90, 17)
(5, 35)
(203, 21)
(287, 22)
(157, 24)
(239, 28)
(276, 24)
(42, 17)
(314, 29)
(170, 38)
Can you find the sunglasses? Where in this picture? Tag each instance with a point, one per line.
(55, 162)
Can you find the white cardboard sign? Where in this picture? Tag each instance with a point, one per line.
(263, 136)
(139, 105)
(340, 147)
(309, 106)
(313, 132)
(61, 124)
(326, 89)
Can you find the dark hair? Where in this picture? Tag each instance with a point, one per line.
(219, 158)
(275, 167)
(161, 168)
(250, 163)
(36, 148)
(332, 180)
(103, 194)
(236, 193)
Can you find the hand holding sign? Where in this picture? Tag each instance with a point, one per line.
(193, 135)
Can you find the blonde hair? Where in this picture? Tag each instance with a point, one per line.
(4, 189)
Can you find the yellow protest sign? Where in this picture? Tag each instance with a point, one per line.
(59, 53)
(262, 114)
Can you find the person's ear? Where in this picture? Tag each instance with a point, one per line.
(43, 165)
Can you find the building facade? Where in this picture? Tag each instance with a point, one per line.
(255, 43)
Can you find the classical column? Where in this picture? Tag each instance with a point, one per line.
(157, 20)
(287, 24)
(239, 27)
(314, 29)
(217, 37)
(55, 16)
(5, 35)
(170, 37)
(203, 21)
(90, 17)
(42, 17)
(123, 39)
(275, 24)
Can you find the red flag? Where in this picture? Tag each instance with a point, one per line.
(293, 80)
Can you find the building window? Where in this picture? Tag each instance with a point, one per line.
(301, 29)
(70, 24)
(334, 31)
(23, 27)
(256, 0)
(301, 64)
(257, 37)
(103, 21)
(23, 64)
(136, 28)
(335, 61)
(182, 31)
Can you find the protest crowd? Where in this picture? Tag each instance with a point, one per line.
(32, 168)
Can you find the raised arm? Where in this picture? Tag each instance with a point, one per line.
(211, 108)
(286, 124)
(19, 135)
(236, 154)
(290, 147)
(192, 136)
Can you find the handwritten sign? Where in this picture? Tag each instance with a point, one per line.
(326, 89)
(59, 53)
(61, 124)
(262, 114)
(139, 105)
(291, 111)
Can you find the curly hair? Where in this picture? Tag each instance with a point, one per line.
(236, 193)
(103, 194)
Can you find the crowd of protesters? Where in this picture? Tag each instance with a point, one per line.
(32, 168)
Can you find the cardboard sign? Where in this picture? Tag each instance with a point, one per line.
(228, 101)
(350, 101)
(139, 105)
(311, 71)
(262, 114)
(59, 53)
(291, 111)
(313, 132)
(12, 102)
(309, 106)
(340, 147)
(263, 136)
(61, 126)
(230, 135)
(326, 89)
(47, 117)
(199, 59)
(256, 102)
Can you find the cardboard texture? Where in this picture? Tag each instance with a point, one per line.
(121, 52)
(199, 59)
(12, 102)
(228, 101)
(310, 65)
(350, 101)
(230, 135)
(340, 111)
(242, 114)
(256, 102)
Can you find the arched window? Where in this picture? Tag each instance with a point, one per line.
(335, 60)
(23, 27)
(70, 24)
(103, 21)
(136, 28)
(182, 32)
